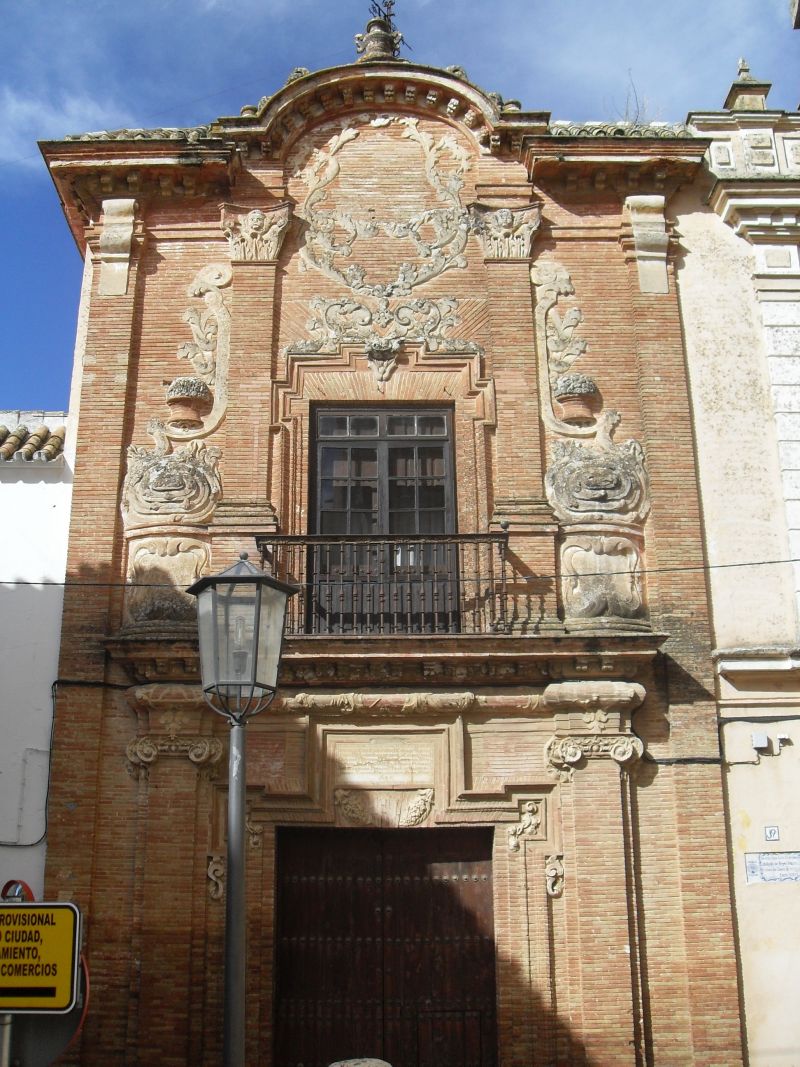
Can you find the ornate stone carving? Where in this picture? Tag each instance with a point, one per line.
(563, 753)
(381, 41)
(551, 280)
(257, 235)
(209, 351)
(439, 233)
(207, 325)
(651, 241)
(599, 482)
(529, 824)
(159, 571)
(381, 325)
(439, 702)
(216, 876)
(505, 233)
(381, 356)
(384, 808)
(144, 751)
(554, 875)
(163, 486)
(601, 576)
(116, 238)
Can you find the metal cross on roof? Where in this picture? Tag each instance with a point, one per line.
(383, 11)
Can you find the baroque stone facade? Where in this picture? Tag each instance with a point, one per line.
(528, 661)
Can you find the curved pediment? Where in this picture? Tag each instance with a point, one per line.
(392, 86)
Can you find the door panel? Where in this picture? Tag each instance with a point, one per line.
(385, 947)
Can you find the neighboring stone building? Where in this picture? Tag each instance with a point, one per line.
(739, 285)
(424, 351)
(35, 487)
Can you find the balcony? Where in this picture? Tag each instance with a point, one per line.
(384, 585)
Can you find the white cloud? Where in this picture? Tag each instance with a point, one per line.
(26, 118)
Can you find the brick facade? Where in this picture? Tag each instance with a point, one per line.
(581, 726)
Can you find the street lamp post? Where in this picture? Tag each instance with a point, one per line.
(240, 619)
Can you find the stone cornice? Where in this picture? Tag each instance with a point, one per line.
(760, 210)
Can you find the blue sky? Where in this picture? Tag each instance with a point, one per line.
(76, 65)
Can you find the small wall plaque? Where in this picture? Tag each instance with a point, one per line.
(772, 867)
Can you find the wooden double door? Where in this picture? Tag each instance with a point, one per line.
(385, 947)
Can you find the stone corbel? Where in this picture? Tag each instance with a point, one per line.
(650, 241)
(119, 217)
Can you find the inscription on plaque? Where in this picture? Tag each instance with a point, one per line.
(386, 761)
(772, 866)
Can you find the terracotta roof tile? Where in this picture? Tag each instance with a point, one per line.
(32, 436)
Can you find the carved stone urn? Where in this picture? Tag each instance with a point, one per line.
(576, 395)
(188, 400)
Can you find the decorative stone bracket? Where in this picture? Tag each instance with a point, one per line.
(650, 241)
(142, 752)
(564, 753)
(115, 246)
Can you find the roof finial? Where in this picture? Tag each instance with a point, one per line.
(381, 40)
(744, 71)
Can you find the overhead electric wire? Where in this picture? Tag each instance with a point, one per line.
(377, 577)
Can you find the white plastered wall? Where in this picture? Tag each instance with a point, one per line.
(737, 446)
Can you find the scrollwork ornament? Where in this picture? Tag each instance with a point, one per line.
(201, 751)
(554, 875)
(216, 876)
(439, 233)
(564, 753)
(528, 826)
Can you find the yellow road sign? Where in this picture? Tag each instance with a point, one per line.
(39, 951)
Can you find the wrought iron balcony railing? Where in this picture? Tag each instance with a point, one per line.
(353, 585)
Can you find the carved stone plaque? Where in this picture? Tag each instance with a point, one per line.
(384, 761)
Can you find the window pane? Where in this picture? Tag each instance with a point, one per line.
(333, 426)
(402, 522)
(364, 426)
(364, 463)
(402, 495)
(431, 462)
(401, 463)
(431, 426)
(431, 495)
(335, 463)
(364, 496)
(333, 522)
(432, 522)
(333, 495)
(363, 522)
(401, 425)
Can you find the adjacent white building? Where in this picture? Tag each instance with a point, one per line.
(35, 490)
(739, 276)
